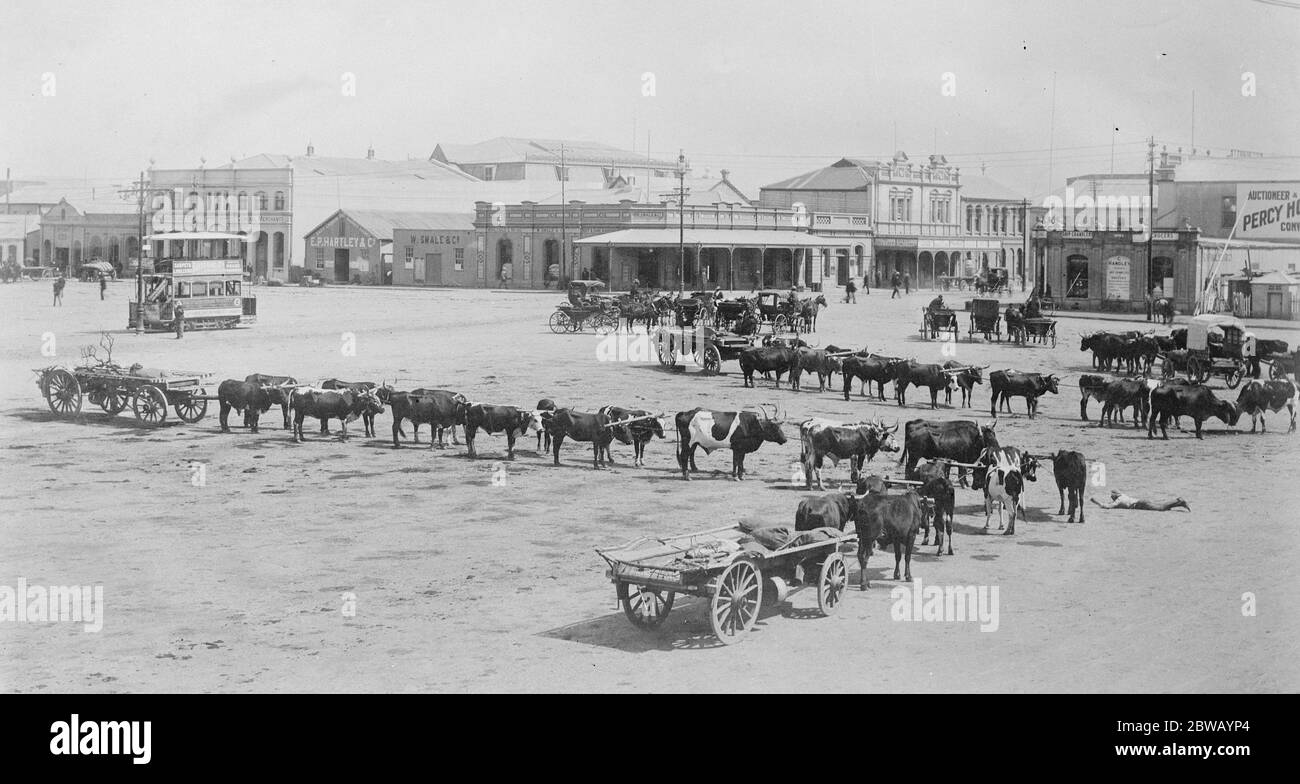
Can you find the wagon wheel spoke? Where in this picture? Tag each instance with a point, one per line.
(63, 392)
(150, 405)
(192, 408)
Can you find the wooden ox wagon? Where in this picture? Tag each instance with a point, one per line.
(727, 568)
(148, 391)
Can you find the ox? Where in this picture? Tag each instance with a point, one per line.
(858, 443)
(1090, 386)
(764, 359)
(1121, 394)
(545, 409)
(912, 373)
(437, 408)
(1105, 348)
(869, 369)
(326, 404)
(831, 510)
(1006, 469)
(580, 426)
(888, 519)
(282, 389)
(740, 431)
(357, 387)
(1070, 470)
(637, 434)
(812, 360)
(1007, 384)
(936, 487)
(1256, 397)
(966, 378)
(245, 397)
(497, 419)
(958, 441)
(1195, 401)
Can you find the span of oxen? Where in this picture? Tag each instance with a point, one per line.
(252, 399)
(1005, 470)
(326, 404)
(857, 443)
(740, 431)
(437, 408)
(641, 426)
(954, 441)
(1195, 401)
(493, 419)
(1257, 397)
(1007, 384)
(282, 389)
(367, 417)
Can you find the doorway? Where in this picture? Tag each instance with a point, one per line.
(342, 259)
(1274, 305)
(433, 269)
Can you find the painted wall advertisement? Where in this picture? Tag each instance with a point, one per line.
(1118, 277)
(1268, 211)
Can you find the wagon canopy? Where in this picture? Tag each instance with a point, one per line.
(1200, 327)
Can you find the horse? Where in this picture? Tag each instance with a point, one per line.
(807, 310)
(1163, 309)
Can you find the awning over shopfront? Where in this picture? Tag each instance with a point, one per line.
(716, 238)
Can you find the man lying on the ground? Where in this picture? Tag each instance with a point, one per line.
(1121, 501)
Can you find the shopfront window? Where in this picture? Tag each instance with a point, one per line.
(232, 288)
(1076, 277)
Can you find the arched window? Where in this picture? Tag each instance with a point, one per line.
(242, 202)
(505, 254)
(260, 197)
(279, 200)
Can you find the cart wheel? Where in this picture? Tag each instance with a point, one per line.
(736, 602)
(1234, 377)
(645, 607)
(150, 405)
(559, 322)
(608, 323)
(780, 323)
(830, 587)
(114, 401)
(63, 392)
(191, 409)
(667, 356)
(712, 360)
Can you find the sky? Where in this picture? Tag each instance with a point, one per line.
(1027, 92)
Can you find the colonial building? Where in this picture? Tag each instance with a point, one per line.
(106, 229)
(1114, 270)
(735, 247)
(13, 237)
(388, 247)
(914, 217)
(580, 163)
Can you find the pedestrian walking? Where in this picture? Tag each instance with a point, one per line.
(850, 291)
(907, 283)
(897, 281)
(178, 320)
(59, 283)
(103, 285)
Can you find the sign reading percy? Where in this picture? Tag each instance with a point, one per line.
(1268, 211)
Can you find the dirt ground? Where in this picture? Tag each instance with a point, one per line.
(463, 585)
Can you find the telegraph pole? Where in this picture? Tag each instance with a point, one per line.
(1151, 207)
(681, 223)
(564, 211)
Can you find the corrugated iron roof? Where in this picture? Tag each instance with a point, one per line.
(663, 238)
(382, 223)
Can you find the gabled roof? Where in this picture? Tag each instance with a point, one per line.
(1274, 278)
(513, 149)
(846, 174)
(381, 223)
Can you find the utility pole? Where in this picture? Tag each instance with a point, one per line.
(681, 223)
(139, 191)
(1151, 208)
(564, 211)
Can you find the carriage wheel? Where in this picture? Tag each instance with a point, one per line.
(712, 360)
(63, 392)
(736, 602)
(664, 348)
(780, 323)
(114, 401)
(1234, 376)
(559, 322)
(830, 587)
(645, 607)
(150, 405)
(192, 408)
(606, 323)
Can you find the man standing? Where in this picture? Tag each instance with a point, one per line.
(907, 283)
(850, 291)
(1150, 299)
(103, 285)
(897, 281)
(178, 320)
(59, 283)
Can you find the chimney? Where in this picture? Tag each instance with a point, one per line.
(310, 150)
(370, 153)
(725, 174)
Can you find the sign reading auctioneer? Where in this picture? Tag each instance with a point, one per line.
(1268, 211)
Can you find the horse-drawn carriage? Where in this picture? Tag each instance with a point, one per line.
(985, 319)
(1227, 358)
(586, 307)
(705, 346)
(149, 391)
(1026, 324)
(992, 281)
(937, 320)
(730, 569)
